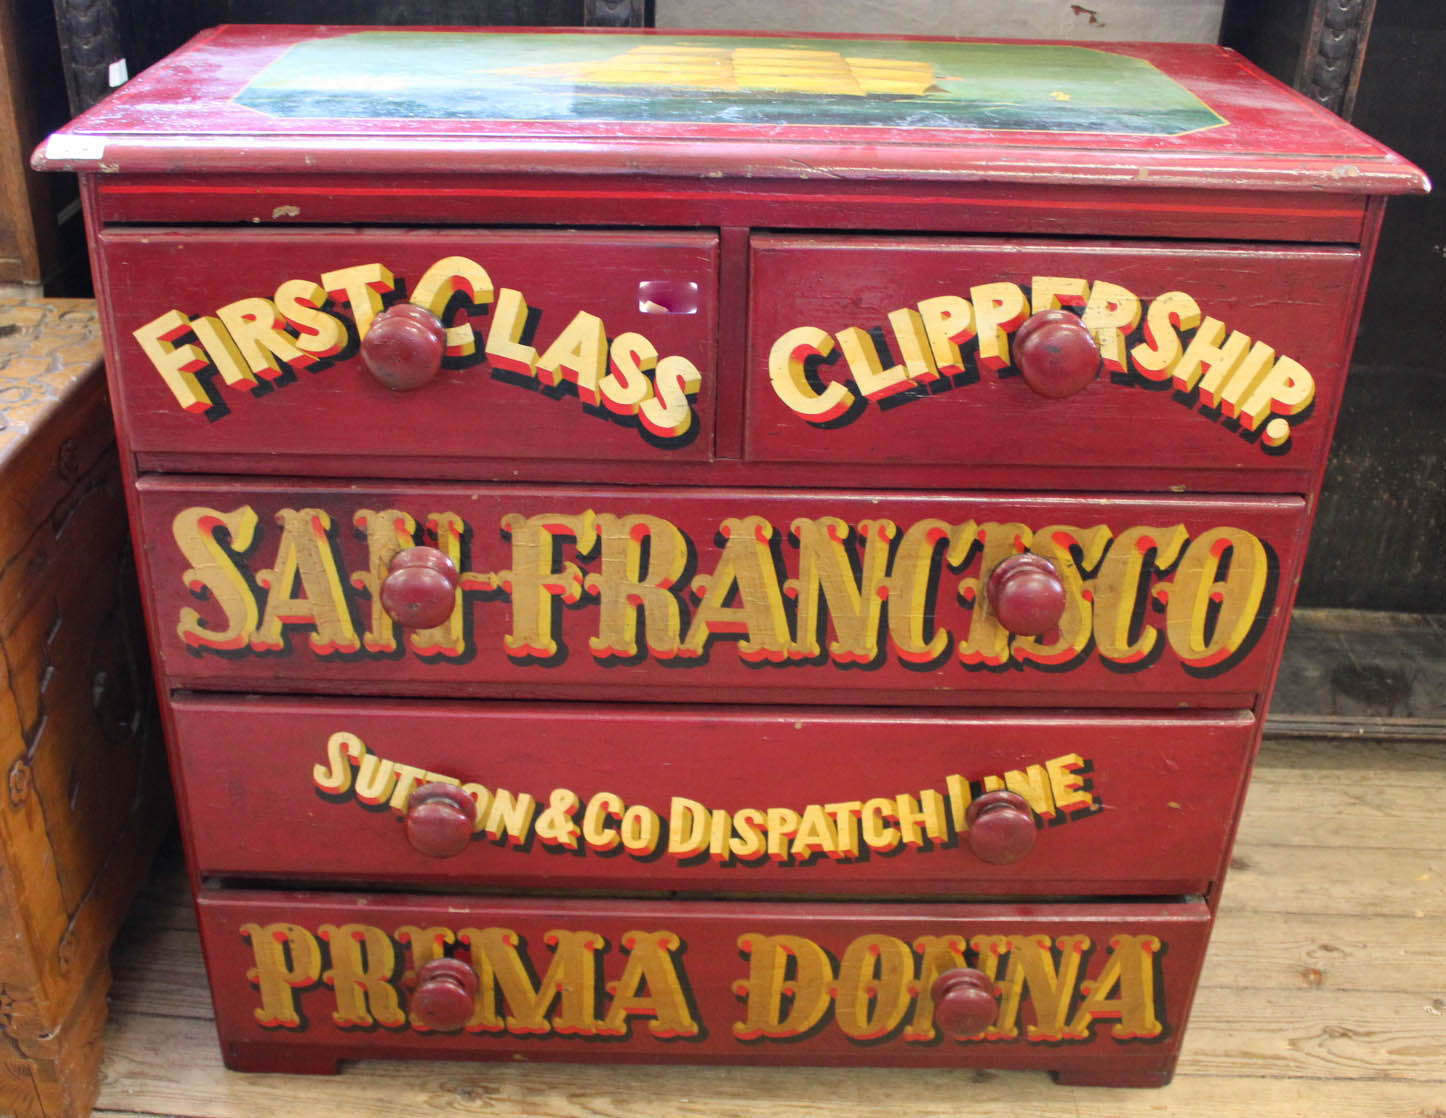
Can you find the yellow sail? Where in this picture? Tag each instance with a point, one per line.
(782, 69)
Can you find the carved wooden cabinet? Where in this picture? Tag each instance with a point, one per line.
(85, 798)
(718, 548)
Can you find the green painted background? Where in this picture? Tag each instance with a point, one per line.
(401, 75)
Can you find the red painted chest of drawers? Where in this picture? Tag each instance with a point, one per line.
(718, 548)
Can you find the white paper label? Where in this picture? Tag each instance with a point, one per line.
(118, 73)
(75, 146)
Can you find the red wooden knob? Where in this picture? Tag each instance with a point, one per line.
(963, 1002)
(440, 819)
(1055, 354)
(1026, 594)
(420, 590)
(1001, 827)
(404, 346)
(443, 999)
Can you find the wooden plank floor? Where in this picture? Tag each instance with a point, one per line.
(1324, 994)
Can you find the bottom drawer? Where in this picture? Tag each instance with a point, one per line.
(1096, 992)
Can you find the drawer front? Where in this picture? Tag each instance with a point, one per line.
(747, 596)
(677, 798)
(560, 345)
(1085, 987)
(898, 353)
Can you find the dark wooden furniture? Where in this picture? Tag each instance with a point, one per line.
(1319, 46)
(104, 41)
(32, 103)
(732, 549)
(1379, 65)
(85, 797)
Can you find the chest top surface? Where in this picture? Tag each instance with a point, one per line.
(280, 99)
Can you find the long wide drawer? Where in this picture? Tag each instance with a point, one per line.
(302, 980)
(704, 595)
(573, 797)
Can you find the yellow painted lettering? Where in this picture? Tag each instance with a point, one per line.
(214, 572)
(1207, 620)
(1111, 314)
(571, 980)
(343, 752)
(923, 817)
(1286, 388)
(789, 375)
(669, 414)
(510, 816)
(748, 840)
(1121, 590)
(998, 309)
(361, 287)
(650, 965)
(225, 356)
(628, 385)
(1049, 293)
(579, 354)
(305, 560)
(255, 325)
(825, 575)
(288, 960)
(300, 303)
(624, 589)
(988, 641)
(814, 834)
(1067, 784)
(1032, 964)
(595, 831)
(914, 347)
(873, 990)
(937, 955)
(448, 638)
(746, 564)
(778, 967)
(1156, 357)
(387, 532)
(363, 962)
(1130, 968)
(687, 827)
(1060, 543)
(177, 364)
(505, 348)
(913, 584)
(1210, 350)
(534, 582)
(867, 370)
(948, 322)
(782, 824)
(872, 818)
(443, 280)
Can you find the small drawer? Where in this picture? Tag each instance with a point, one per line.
(1097, 991)
(766, 801)
(703, 594)
(247, 346)
(910, 354)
